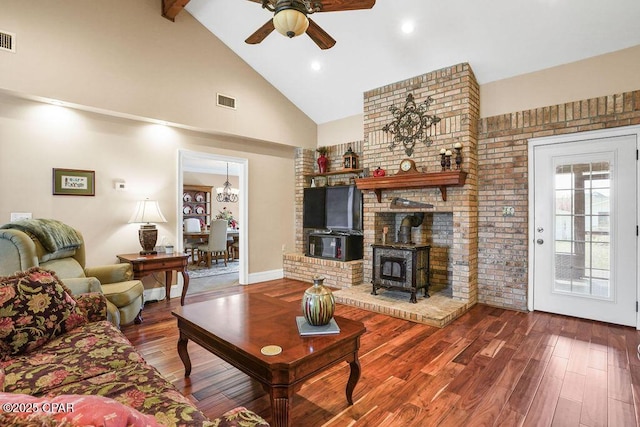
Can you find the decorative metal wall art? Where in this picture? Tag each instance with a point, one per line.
(411, 124)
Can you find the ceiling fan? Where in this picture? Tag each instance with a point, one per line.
(291, 18)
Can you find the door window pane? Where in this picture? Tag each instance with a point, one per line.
(582, 229)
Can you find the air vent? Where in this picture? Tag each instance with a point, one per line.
(226, 101)
(7, 41)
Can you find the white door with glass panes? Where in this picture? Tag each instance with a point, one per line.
(583, 230)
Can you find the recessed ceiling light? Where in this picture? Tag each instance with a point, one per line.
(408, 27)
(316, 66)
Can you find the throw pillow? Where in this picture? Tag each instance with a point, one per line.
(70, 410)
(93, 305)
(34, 308)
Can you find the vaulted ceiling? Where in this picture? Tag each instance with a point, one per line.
(498, 38)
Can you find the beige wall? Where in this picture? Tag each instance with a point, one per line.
(123, 59)
(36, 137)
(603, 75)
(341, 131)
(122, 56)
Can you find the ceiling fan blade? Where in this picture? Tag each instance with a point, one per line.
(337, 5)
(319, 36)
(261, 33)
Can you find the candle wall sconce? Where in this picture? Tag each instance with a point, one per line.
(411, 124)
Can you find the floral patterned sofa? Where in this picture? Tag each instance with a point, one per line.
(62, 364)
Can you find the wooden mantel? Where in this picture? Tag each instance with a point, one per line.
(440, 180)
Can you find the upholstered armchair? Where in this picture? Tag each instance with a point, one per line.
(21, 249)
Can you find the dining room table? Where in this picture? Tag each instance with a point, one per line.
(203, 236)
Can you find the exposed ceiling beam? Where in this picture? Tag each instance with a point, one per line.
(171, 8)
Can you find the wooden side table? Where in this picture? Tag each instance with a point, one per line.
(146, 264)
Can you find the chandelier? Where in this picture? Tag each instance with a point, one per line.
(411, 124)
(227, 194)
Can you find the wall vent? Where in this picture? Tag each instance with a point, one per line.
(226, 101)
(7, 41)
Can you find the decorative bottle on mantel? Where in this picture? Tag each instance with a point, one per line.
(318, 303)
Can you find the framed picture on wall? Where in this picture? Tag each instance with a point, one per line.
(73, 182)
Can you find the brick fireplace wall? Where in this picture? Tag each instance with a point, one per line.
(450, 227)
(477, 250)
(503, 181)
(454, 238)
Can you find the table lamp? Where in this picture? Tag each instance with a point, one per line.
(147, 211)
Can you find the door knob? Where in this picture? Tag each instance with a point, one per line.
(539, 241)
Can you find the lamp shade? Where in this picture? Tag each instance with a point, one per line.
(147, 211)
(290, 22)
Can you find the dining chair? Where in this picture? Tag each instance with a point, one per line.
(192, 225)
(191, 247)
(230, 247)
(233, 248)
(217, 244)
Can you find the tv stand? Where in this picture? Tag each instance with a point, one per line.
(340, 247)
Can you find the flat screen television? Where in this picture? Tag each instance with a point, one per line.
(343, 208)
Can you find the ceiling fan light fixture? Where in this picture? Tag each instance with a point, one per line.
(290, 22)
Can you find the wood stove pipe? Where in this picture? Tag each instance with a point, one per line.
(409, 221)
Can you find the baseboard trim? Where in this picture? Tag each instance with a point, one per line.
(265, 276)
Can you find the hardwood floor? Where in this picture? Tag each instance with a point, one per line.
(491, 367)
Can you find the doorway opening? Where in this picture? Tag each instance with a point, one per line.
(214, 164)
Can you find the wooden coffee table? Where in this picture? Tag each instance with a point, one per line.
(235, 328)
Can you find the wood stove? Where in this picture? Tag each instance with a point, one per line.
(401, 266)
